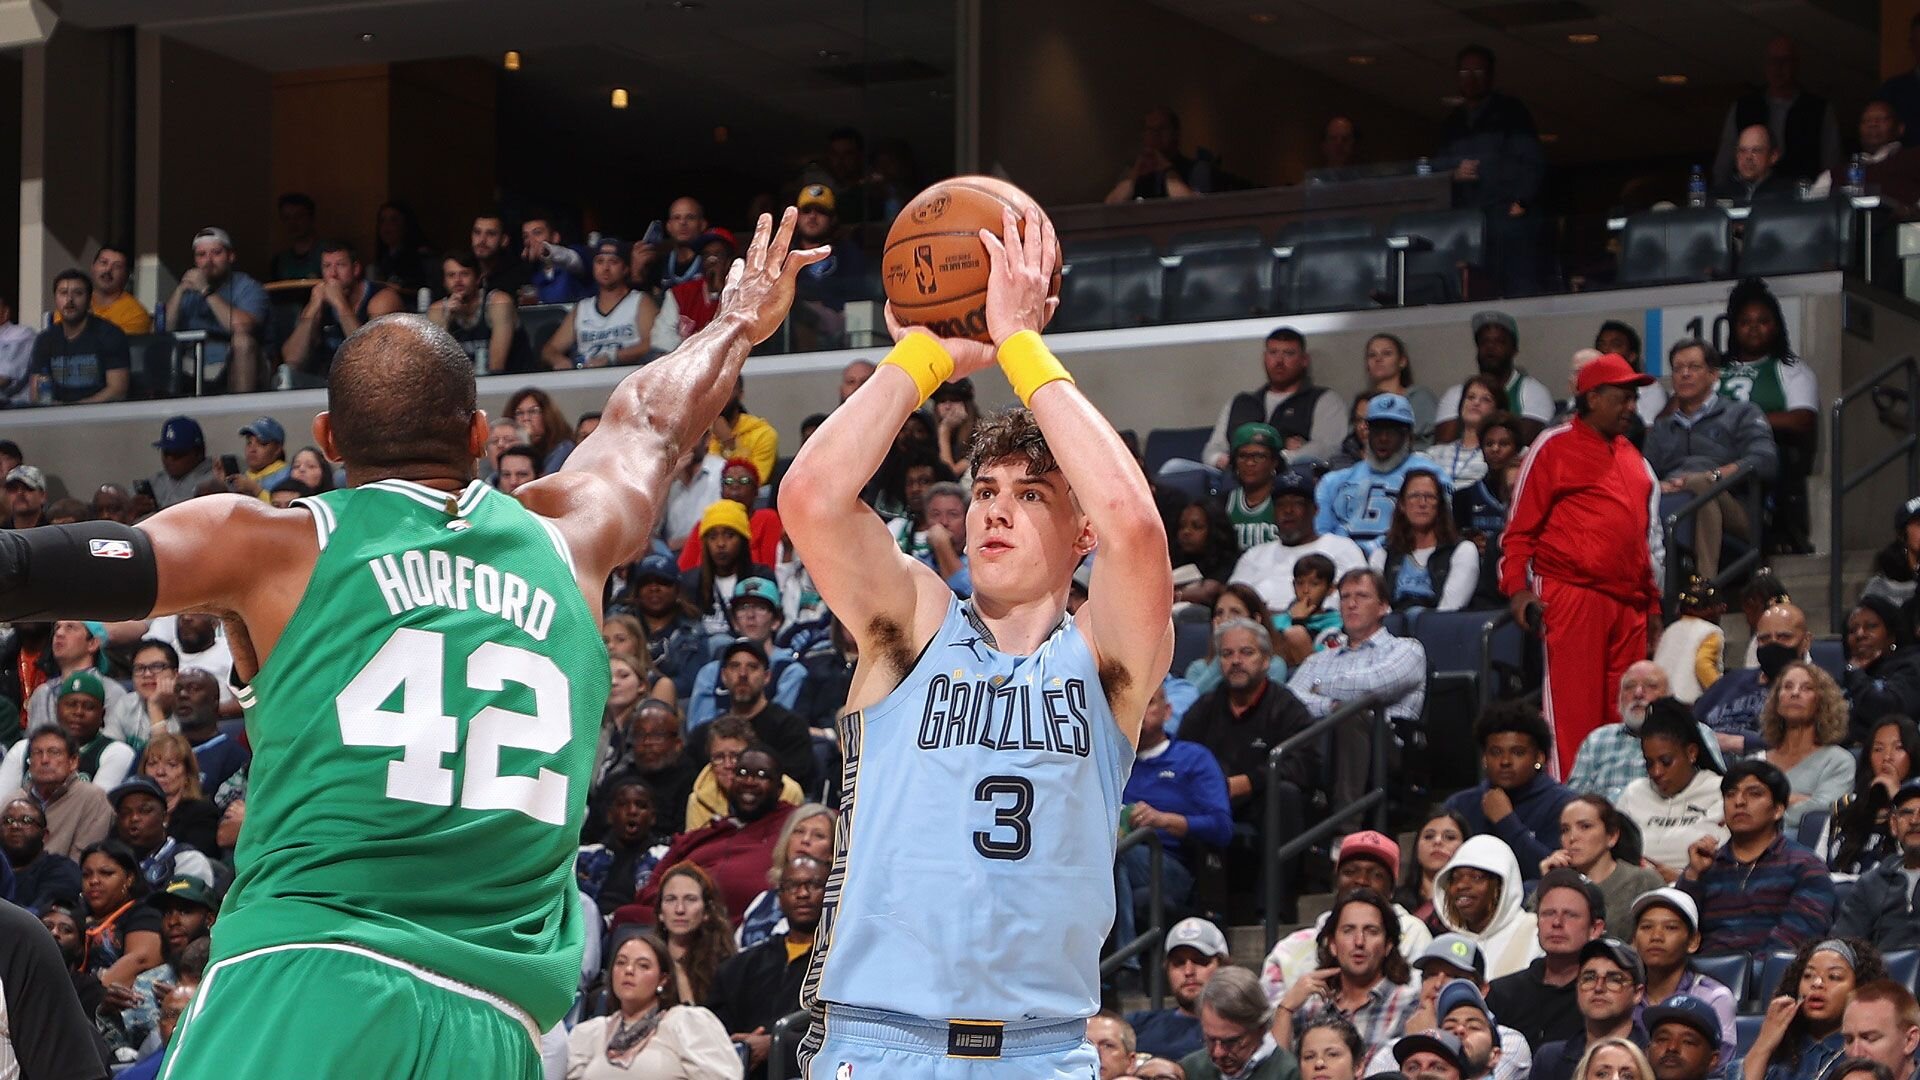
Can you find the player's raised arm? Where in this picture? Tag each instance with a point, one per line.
(606, 497)
(1128, 614)
(875, 588)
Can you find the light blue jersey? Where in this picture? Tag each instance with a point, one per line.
(1357, 502)
(978, 821)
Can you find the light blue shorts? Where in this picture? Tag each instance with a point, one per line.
(862, 1044)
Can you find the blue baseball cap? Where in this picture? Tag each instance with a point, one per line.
(180, 433)
(657, 568)
(266, 429)
(1689, 1010)
(1390, 407)
(757, 588)
(1293, 483)
(1457, 993)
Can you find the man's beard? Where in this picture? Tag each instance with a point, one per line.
(1632, 716)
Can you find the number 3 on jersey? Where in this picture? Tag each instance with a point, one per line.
(414, 663)
(1012, 834)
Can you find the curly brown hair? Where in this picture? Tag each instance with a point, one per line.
(1008, 435)
(1394, 966)
(1829, 720)
(711, 943)
(1867, 967)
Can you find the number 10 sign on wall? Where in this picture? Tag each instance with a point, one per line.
(1664, 327)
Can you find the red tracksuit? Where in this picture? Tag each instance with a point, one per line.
(1582, 535)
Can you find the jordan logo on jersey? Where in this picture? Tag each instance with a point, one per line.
(1000, 715)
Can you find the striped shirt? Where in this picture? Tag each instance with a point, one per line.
(1779, 901)
(1380, 1021)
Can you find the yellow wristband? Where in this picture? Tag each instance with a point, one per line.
(1029, 364)
(924, 360)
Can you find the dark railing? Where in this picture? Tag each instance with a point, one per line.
(788, 1028)
(1375, 799)
(1730, 571)
(1148, 941)
(1908, 446)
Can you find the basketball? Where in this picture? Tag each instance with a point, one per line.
(934, 265)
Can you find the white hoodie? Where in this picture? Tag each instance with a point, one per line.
(1669, 826)
(1511, 940)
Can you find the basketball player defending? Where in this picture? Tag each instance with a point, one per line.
(425, 685)
(987, 741)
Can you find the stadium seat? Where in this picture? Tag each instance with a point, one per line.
(1666, 246)
(1190, 640)
(1335, 275)
(1108, 247)
(1215, 239)
(1165, 444)
(1812, 824)
(151, 366)
(1772, 967)
(1787, 236)
(1829, 654)
(1101, 293)
(1223, 283)
(1459, 239)
(1746, 1029)
(1295, 232)
(1903, 966)
(539, 321)
(1730, 970)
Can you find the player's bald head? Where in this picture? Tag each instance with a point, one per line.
(401, 394)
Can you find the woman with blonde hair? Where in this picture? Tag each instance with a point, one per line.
(1613, 1059)
(810, 832)
(191, 817)
(1804, 724)
(625, 635)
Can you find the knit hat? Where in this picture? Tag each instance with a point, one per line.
(726, 514)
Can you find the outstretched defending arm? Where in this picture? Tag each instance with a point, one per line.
(606, 497)
(1128, 614)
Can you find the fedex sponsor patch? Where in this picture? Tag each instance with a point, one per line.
(110, 549)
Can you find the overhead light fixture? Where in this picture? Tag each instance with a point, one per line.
(1583, 39)
(366, 39)
(1671, 80)
(831, 56)
(1361, 60)
(619, 97)
(511, 61)
(1264, 18)
(1452, 100)
(686, 5)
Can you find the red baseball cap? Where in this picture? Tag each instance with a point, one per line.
(1372, 845)
(1611, 370)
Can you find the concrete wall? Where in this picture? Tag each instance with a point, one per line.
(1061, 102)
(67, 149)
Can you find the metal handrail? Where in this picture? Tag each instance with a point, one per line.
(1730, 571)
(1491, 627)
(1276, 858)
(1843, 482)
(784, 1029)
(1156, 924)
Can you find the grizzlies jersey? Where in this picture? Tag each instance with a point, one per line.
(594, 333)
(423, 737)
(974, 875)
(1358, 501)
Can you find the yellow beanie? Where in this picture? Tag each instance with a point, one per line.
(726, 514)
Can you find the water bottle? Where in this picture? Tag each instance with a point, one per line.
(1857, 176)
(1697, 187)
(159, 318)
(423, 300)
(1422, 167)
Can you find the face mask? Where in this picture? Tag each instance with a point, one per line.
(1774, 657)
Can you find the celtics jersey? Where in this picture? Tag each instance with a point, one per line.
(1251, 524)
(423, 737)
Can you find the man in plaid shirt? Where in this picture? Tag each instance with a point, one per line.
(1365, 663)
(1609, 758)
(1362, 976)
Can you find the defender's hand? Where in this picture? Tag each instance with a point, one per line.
(760, 286)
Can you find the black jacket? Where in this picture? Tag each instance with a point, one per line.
(1241, 744)
(1880, 909)
(756, 988)
(1889, 685)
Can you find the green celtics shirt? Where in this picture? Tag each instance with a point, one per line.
(423, 737)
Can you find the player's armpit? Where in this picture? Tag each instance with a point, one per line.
(231, 554)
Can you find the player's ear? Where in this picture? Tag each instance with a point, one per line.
(477, 432)
(323, 436)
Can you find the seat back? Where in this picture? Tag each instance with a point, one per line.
(1787, 236)
(1335, 275)
(1663, 246)
(1829, 654)
(1746, 1029)
(1458, 240)
(1772, 968)
(1223, 283)
(1903, 966)
(1101, 293)
(1212, 239)
(1165, 444)
(1107, 247)
(150, 366)
(539, 321)
(1731, 970)
(1339, 228)
(1190, 641)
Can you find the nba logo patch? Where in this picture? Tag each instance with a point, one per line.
(844, 1072)
(110, 549)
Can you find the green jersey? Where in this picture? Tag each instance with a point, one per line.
(423, 737)
(1251, 524)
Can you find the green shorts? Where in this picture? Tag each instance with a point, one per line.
(344, 1011)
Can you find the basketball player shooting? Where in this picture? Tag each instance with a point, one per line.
(986, 741)
(425, 686)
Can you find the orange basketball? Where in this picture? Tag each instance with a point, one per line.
(935, 267)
